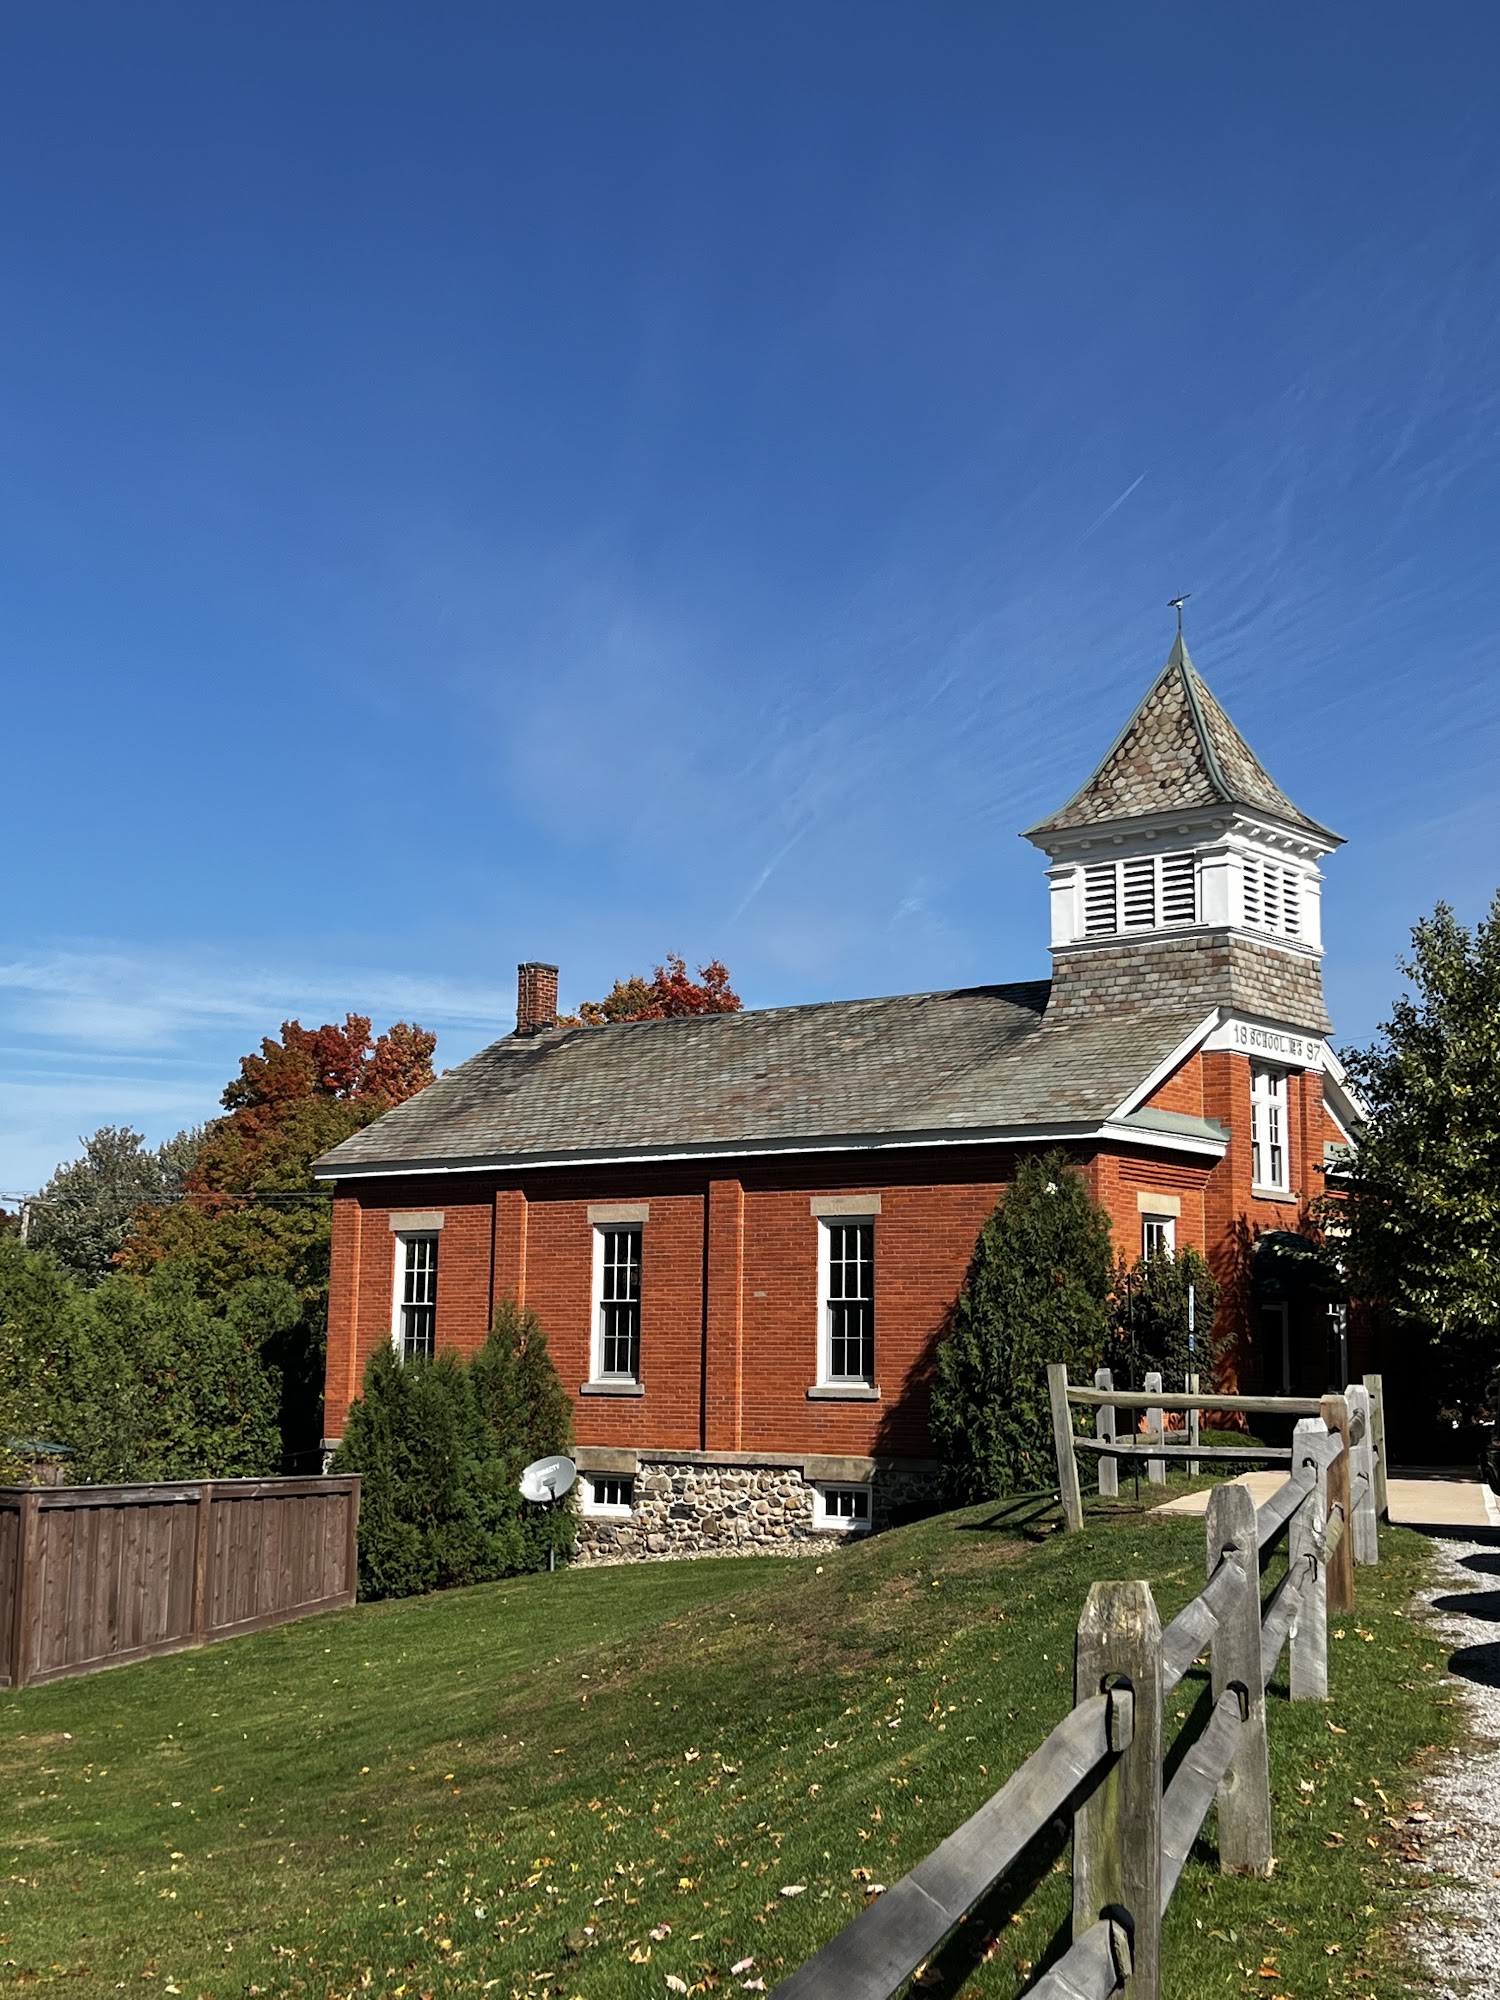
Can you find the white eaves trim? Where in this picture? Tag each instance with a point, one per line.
(742, 1149)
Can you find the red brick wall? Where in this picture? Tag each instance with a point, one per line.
(730, 1261)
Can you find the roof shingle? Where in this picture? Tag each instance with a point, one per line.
(1178, 750)
(925, 1064)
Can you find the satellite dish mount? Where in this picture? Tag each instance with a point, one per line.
(544, 1482)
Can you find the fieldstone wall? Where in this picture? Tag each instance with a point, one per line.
(695, 1507)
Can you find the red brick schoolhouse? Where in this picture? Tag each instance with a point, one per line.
(743, 1232)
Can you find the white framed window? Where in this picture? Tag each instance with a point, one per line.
(1270, 1162)
(1158, 1236)
(1271, 897)
(846, 1508)
(610, 1494)
(1148, 892)
(846, 1295)
(414, 1321)
(617, 1302)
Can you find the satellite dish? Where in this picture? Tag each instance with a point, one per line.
(548, 1479)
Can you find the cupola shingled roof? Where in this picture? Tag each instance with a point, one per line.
(1179, 750)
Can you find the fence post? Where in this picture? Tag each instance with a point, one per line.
(1156, 1468)
(202, 1547)
(1062, 1437)
(1117, 1829)
(351, 1545)
(1376, 1386)
(28, 1583)
(1194, 1421)
(1335, 1412)
(1362, 1478)
(1106, 1433)
(1309, 1640)
(1244, 1795)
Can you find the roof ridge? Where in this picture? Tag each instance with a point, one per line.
(993, 986)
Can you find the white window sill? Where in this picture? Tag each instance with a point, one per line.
(606, 1513)
(843, 1528)
(611, 1388)
(1272, 1194)
(843, 1392)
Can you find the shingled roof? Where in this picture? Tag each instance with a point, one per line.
(918, 1066)
(1179, 749)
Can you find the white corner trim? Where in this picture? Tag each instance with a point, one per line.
(1158, 1204)
(603, 1213)
(1169, 1063)
(416, 1221)
(845, 1204)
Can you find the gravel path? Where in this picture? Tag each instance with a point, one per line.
(1460, 1941)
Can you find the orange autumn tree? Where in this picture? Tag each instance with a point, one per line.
(249, 1206)
(668, 995)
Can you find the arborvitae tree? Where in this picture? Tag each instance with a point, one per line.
(434, 1510)
(1037, 1291)
(1148, 1321)
(530, 1414)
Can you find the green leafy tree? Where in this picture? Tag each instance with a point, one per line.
(1037, 1291)
(1148, 1320)
(140, 1379)
(1422, 1194)
(250, 1205)
(85, 1212)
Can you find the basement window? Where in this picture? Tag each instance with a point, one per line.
(845, 1508)
(611, 1494)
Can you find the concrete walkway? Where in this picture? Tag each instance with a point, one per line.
(1418, 1499)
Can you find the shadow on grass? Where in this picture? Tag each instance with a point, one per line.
(1032, 1515)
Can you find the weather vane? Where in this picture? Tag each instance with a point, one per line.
(1176, 604)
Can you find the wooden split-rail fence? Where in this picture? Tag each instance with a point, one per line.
(95, 1576)
(1102, 1764)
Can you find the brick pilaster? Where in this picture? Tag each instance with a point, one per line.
(723, 1317)
(508, 1267)
(342, 1374)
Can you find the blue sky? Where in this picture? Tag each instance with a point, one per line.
(583, 482)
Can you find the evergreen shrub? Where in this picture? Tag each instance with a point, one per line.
(1037, 1291)
(440, 1446)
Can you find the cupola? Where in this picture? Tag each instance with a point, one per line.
(1182, 847)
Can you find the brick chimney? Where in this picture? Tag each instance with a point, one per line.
(536, 997)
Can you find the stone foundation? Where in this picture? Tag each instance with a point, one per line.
(732, 1503)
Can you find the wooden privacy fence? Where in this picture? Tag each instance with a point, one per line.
(93, 1576)
(1103, 1762)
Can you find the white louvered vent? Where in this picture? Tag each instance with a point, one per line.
(1271, 897)
(1179, 898)
(1143, 894)
(1139, 893)
(1254, 900)
(1099, 900)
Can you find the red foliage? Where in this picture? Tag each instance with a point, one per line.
(344, 1063)
(668, 995)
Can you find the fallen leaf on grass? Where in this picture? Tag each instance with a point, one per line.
(661, 1931)
(676, 1985)
(742, 1965)
(795, 1889)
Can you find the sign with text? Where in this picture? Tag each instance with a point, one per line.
(1268, 1044)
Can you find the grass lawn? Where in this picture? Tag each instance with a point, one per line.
(582, 1784)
